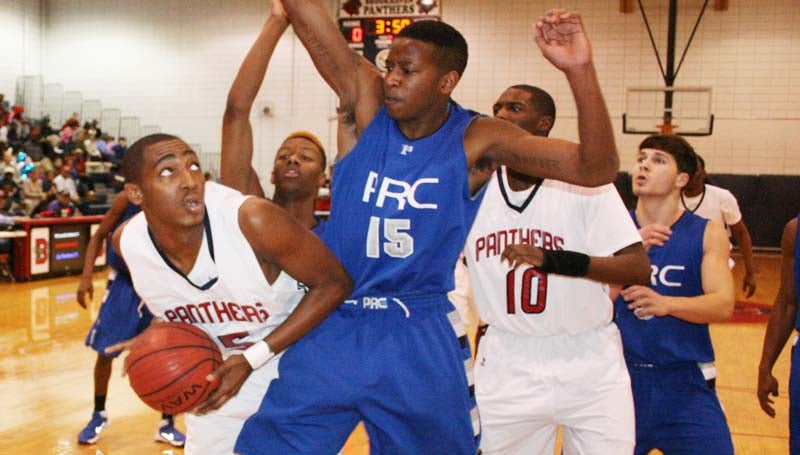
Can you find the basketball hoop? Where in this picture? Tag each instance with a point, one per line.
(667, 128)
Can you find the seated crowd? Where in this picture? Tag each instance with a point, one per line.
(44, 169)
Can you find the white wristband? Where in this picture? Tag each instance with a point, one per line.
(258, 354)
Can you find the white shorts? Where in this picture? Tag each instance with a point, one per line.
(215, 433)
(527, 386)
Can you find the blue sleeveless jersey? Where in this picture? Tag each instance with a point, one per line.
(112, 258)
(401, 209)
(675, 271)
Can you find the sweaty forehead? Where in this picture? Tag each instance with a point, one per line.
(515, 95)
(409, 49)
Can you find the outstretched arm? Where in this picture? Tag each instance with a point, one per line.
(781, 321)
(357, 82)
(629, 265)
(95, 243)
(236, 169)
(594, 161)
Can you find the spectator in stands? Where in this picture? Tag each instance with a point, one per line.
(68, 129)
(12, 205)
(47, 182)
(73, 121)
(4, 106)
(34, 145)
(7, 220)
(34, 194)
(101, 144)
(7, 160)
(64, 182)
(60, 207)
(119, 149)
(720, 205)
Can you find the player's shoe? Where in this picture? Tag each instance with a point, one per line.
(168, 433)
(91, 433)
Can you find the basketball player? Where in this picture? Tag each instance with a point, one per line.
(122, 316)
(665, 325)
(552, 355)
(205, 254)
(299, 166)
(782, 320)
(401, 207)
(718, 204)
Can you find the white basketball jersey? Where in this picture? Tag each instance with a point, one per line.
(552, 215)
(241, 307)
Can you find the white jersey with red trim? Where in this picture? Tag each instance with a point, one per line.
(237, 309)
(551, 215)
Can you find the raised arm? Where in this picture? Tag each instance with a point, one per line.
(594, 161)
(357, 82)
(236, 169)
(781, 321)
(95, 243)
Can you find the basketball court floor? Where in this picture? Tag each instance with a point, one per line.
(46, 375)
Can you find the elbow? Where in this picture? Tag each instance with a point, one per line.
(726, 310)
(597, 173)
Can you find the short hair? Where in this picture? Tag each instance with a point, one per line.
(132, 159)
(309, 136)
(678, 147)
(542, 100)
(449, 42)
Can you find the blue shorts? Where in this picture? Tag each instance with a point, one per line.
(122, 316)
(403, 374)
(677, 412)
(794, 403)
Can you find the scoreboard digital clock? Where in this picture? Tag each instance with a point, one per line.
(372, 36)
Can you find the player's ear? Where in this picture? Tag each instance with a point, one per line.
(682, 180)
(545, 123)
(134, 193)
(449, 81)
(272, 176)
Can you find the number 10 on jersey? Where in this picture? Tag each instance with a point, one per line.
(391, 236)
(532, 292)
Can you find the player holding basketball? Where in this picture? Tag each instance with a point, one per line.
(551, 355)
(665, 325)
(122, 316)
(205, 254)
(402, 200)
(782, 320)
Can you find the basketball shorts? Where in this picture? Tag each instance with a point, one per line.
(400, 367)
(526, 386)
(122, 315)
(794, 403)
(215, 433)
(677, 412)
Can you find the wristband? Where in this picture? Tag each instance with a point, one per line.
(569, 263)
(258, 354)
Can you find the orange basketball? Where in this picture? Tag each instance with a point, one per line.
(168, 365)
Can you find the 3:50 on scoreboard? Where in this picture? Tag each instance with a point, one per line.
(390, 26)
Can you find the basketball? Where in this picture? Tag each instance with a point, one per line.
(168, 365)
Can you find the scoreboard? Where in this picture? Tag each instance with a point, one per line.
(370, 33)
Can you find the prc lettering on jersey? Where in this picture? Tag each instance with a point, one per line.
(401, 192)
(670, 276)
(493, 244)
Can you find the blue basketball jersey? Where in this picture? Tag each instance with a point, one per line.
(401, 208)
(675, 271)
(112, 258)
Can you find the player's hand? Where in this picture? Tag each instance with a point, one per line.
(767, 385)
(231, 374)
(85, 287)
(654, 235)
(517, 255)
(645, 302)
(562, 39)
(749, 284)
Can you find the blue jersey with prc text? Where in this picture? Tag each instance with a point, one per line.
(675, 271)
(401, 209)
